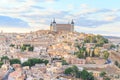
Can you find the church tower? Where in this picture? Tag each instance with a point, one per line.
(51, 27)
(72, 26)
(54, 25)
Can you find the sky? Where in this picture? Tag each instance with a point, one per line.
(90, 16)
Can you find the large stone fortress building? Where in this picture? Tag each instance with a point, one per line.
(62, 27)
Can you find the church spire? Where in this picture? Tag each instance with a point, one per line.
(54, 21)
(72, 22)
(51, 23)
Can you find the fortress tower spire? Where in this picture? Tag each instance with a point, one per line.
(54, 20)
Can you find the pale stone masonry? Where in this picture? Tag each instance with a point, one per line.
(62, 27)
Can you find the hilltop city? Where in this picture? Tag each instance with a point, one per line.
(60, 53)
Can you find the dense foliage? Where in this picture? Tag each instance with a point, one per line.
(82, 53)
(1, 63)
(117, 64)
(12, 61)
(105, 54)
(74, 71)
(64, 62)
(85, 75)
(99, 40)
(33, 61)
(27, 47)
(12, 45)
(102, 74)
(107, 78)
(4, 58)
(29, 62)
(68, 71)
(15, 61)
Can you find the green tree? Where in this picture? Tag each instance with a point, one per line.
(112, 46)
(27, 46)
(90, 76)
(107, 78)
(4, 58)
(27, 63)
(31, 48)
(105, 54)
(84, 74)
(116, 63)
(98, 39)
(78, 46)
(78, 74)
(97, 51)
(93, 54)
(12, 45)
(102, 74)
(15, 61)
(86, 54)
(23, 48)
(119, 65)
(33, 61)
(46, 62)
(64, 62)
(68, 71)
(1, 63)
(75, 70)
(79, 55)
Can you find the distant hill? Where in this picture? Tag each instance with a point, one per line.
(111, 37)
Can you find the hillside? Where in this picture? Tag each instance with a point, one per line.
(113, 39)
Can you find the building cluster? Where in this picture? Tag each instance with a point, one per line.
(55, 45)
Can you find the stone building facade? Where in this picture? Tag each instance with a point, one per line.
(62, 27)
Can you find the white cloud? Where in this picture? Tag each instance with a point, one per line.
(37, 17)
(84, 5)
(109, 29)
(110, 18)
